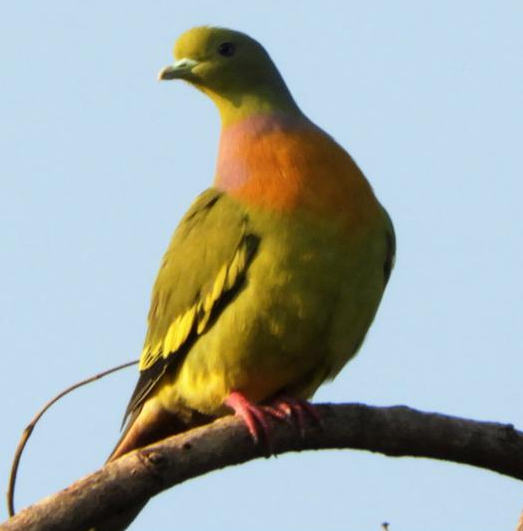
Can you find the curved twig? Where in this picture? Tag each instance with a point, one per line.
(394, 431)
(30, 427)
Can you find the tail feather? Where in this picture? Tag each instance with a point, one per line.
(148, 424)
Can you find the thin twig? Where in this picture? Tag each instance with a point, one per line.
(30, 427)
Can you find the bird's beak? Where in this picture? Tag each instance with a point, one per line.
(178, 70)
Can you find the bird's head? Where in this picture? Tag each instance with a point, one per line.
(233, 69)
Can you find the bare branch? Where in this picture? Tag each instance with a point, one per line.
(395, 431)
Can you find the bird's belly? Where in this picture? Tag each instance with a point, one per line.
(302, 314)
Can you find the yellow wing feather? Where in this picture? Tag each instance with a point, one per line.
(198, 315)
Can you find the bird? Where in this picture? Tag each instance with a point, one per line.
(275, 273)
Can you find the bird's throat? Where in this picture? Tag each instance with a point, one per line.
(283, 162)
(257, 151)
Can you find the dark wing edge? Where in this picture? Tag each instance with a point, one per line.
(390, 255)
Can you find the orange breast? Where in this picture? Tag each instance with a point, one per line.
(287, 163)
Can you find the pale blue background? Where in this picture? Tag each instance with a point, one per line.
(99, 162)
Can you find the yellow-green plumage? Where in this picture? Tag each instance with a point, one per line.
(274, 275)
(300, 315)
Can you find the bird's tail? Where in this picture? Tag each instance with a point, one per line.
(148, 424)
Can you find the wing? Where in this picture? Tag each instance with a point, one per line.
(202, 270)
(390, 256)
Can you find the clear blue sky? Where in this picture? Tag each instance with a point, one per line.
(99, 162)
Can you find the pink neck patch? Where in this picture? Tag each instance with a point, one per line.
(236, 162)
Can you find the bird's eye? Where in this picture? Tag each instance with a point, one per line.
(226, 49)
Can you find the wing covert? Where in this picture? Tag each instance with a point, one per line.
(203, 268)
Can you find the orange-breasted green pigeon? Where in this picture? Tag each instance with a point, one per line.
(274, 274)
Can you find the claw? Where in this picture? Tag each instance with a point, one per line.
(293, 407)
(282, 408)
(254, 416)
(275, 412)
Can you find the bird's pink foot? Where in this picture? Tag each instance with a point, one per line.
(292, 408)
(254, 416)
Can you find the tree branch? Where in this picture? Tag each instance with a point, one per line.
(394, 431)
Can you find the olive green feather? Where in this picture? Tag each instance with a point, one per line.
(201, 271)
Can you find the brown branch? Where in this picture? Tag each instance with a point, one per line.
(394, 431)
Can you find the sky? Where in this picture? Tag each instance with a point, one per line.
(99, 163)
